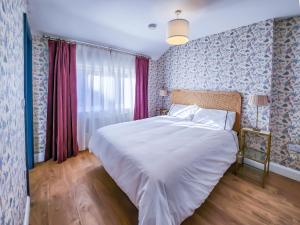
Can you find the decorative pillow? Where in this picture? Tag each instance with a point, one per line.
(183, 111)
(219, 119)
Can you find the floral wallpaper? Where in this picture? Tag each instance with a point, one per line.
(155, 82)
(236, 60)
(40, 94)
(12, 132)
(285, 109)
(262, 58)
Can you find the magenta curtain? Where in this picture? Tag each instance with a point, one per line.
(61, 141)
(141, 88)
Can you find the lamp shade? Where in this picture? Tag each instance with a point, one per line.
(178, 31)
(258, 100)
(163, 92)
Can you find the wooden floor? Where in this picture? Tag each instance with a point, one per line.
(79, 191)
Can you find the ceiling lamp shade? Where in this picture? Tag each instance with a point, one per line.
(178, 31)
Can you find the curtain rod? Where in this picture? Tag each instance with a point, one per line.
(54, 37)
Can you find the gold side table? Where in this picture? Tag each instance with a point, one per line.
(260, 156)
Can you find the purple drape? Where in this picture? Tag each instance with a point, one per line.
(61, 141)
(141, 88)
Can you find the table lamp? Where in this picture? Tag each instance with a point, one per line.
(258, 100)
(162, 93)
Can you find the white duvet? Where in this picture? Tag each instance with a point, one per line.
(166, 166)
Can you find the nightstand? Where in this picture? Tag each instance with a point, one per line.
(258, 155)
(162, 112)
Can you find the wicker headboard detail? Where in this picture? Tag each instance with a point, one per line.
(230, 101)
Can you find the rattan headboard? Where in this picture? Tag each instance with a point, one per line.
(230, 101)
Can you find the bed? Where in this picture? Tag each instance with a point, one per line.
(168, 166)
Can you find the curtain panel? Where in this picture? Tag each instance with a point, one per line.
(61, 139)
(105, 89)
(141, 89)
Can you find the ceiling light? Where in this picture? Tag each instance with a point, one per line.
(152, 26)
(178, 30)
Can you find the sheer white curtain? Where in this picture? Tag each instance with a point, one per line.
(105, 90)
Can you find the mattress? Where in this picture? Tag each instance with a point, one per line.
(167, 166)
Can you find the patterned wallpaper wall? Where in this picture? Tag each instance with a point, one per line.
(235, 60)
(40, 94)
(285, 110)
(242, 60)
(155, 82)
(12, 132)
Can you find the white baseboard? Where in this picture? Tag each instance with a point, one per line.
(277, 168)
(27, 211)
(39, 157)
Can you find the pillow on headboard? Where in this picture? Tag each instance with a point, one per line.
(219, 119)
(183, 111)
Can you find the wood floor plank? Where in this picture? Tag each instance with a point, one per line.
(215, 214)
(61, 207)
(115, 200)
(79, 191)
(92, 209)
(263, 199)
(259, 209)
(196, 219)
(39, 204)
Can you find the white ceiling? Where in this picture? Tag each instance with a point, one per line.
(123, 23)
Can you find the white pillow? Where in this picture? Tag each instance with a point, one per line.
(214, 118)
(230, 121)
(183, 111)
